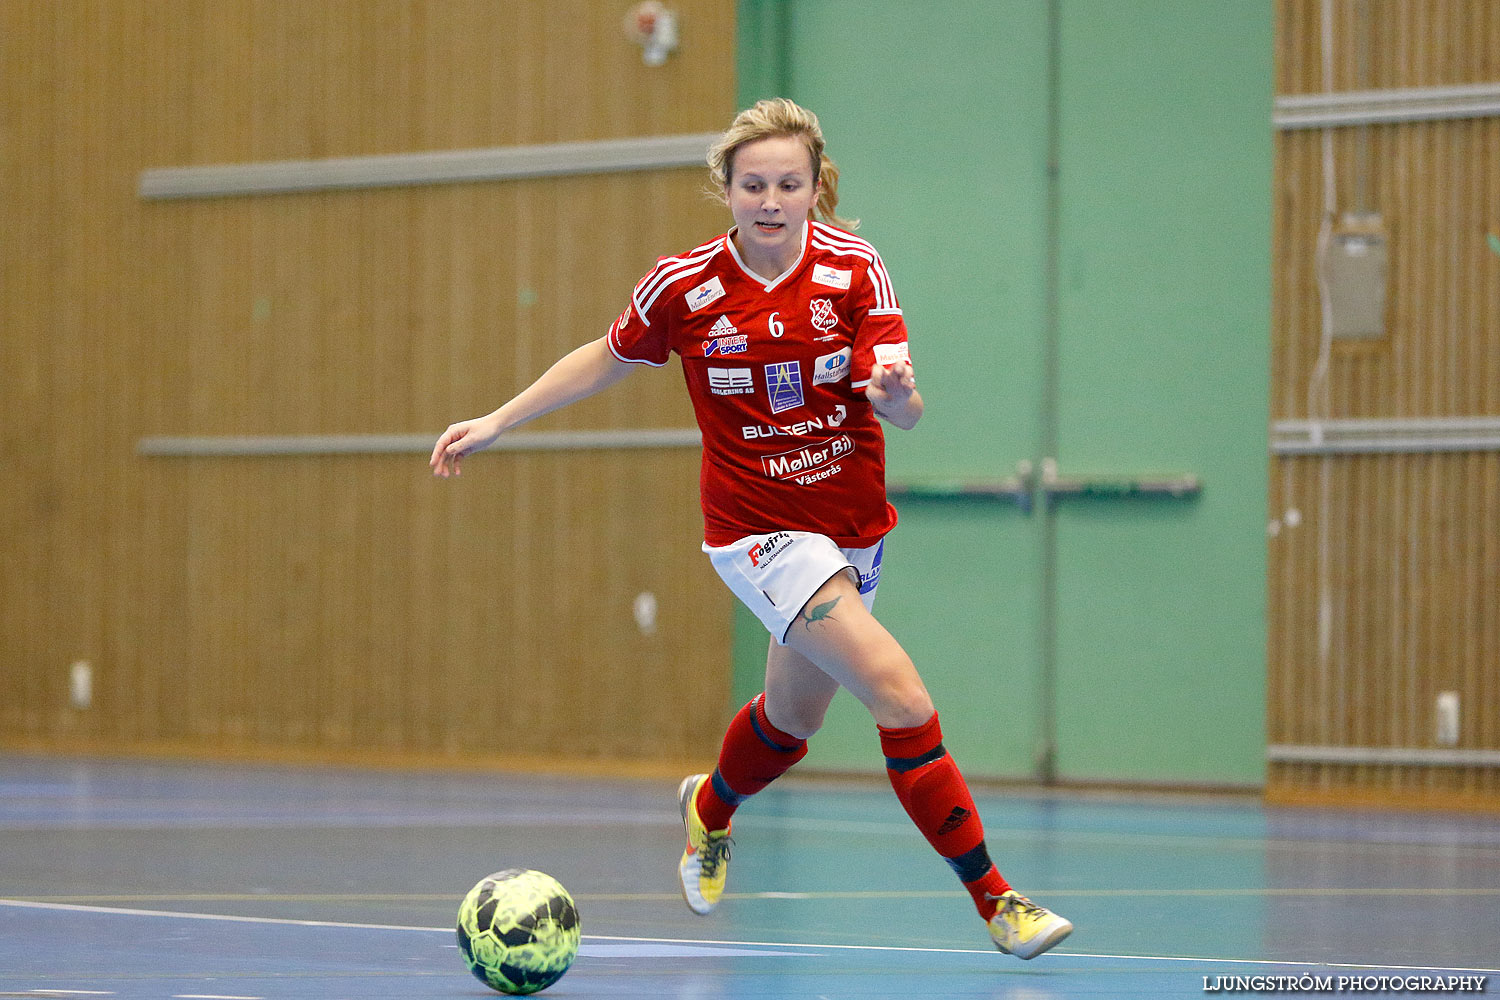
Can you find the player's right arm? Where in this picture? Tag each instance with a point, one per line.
(587, 370)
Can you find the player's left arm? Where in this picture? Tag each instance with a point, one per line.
(893, 393)
(881, 337)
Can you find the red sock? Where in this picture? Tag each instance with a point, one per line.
(937, 799)
(755, 753)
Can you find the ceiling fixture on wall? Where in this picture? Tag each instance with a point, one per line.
(654, 28)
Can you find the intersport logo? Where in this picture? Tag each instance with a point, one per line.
(725, 339)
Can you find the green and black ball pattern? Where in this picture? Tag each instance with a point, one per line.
(518, 931)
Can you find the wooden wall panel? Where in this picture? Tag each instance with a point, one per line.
(328, 606)
(1385, 580)
(1387, 44)
(1435, 185)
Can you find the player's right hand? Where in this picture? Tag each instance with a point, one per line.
(460, 439)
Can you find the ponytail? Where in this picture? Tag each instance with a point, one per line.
(828, 196)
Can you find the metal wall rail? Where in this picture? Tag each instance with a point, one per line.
(408, 444)
(656, 152)
(1286, 753)
(1014, 490)
(1170, 486)
(1368, 107)
(1385, 435)
(1025, 485)
(442, 167)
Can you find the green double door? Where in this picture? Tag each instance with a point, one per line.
(1073, 200)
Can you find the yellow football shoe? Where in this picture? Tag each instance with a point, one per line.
(705, 862)
(1024, 929)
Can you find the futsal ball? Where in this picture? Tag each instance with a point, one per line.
(518, 931)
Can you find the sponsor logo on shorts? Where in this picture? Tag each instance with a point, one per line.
(710, 291)
(831, 276)
(810, 464)
(889, 354)
(730, 381)
(832, 367)
(870, 579)
(822, 315)
(761, 553)
(784, 385)
(725, 339)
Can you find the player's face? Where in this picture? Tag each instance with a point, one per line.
(771, 192)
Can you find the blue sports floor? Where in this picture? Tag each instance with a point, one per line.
(149, 880)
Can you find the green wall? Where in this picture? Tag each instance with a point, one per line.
(1107, 640)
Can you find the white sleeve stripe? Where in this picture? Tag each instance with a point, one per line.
(859, 385)
(885, 312)
(839, 236)
(854, 244)
(610, 342)
(847, 251)
(686, 270)
(667, 272)
(885, 296)
(885, 282)
(875, 263)
(664, 269)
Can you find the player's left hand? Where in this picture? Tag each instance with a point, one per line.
(893, 393)
(891, 382)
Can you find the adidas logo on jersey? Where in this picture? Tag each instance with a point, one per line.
(726, 339)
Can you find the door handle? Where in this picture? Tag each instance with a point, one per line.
(1164, 486)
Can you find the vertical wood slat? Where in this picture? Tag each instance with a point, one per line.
(1409, 540)
(346, 604)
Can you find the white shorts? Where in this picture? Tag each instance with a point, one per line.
(774, 575)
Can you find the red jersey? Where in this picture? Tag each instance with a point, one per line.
(777, 374)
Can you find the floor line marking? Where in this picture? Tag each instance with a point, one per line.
(228, 918)
(1059, 954)
(627, 897)
(70, 907)
(1268, 842)
(640, 817)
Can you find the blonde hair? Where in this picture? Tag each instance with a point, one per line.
(773, 119)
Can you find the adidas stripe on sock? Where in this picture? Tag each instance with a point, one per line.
(936, 797)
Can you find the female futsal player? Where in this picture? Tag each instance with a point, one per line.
(792, 343)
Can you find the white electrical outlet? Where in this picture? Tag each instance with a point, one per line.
(1447, 718)
(81, 684)
(645, 612)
